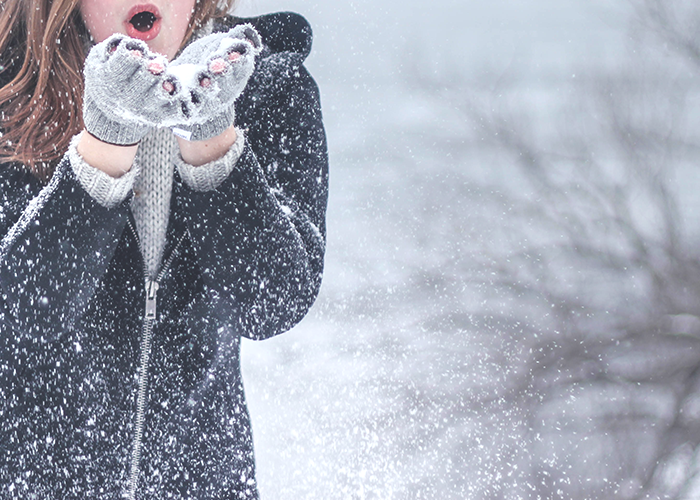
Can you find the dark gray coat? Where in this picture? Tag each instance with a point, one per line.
(243, 260)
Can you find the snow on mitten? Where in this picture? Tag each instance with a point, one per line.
(128, 90)
(215, 69)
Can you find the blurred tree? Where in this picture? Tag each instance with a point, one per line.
(603, 264)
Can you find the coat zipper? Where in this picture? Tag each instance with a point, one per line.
(152, 287)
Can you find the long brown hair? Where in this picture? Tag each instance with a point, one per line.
(43, 46)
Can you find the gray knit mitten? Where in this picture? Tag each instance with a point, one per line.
(129, 90)
(215, 69)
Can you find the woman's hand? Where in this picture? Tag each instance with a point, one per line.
(129, 90)
(215, 70)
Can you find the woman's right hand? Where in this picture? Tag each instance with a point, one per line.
(129, 90)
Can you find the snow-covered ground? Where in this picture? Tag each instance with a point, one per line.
(373, 394)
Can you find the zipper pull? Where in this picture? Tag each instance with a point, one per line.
(151, 291)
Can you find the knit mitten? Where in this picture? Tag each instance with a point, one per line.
(215, 69)
(129, 90)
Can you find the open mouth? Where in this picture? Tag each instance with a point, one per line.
(143, 22)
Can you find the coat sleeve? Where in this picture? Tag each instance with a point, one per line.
(57, 242)
(260, 236)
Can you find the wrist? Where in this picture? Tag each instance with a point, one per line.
(112, 159)
(111, 129)
(198, 153)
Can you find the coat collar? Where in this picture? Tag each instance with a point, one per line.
(280, 32)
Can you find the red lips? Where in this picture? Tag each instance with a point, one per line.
(143, 22)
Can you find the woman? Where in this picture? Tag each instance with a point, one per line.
(132, 261)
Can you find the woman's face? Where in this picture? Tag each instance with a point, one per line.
(162, 24)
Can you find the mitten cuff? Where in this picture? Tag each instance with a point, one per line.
(110, 131)
(203, 131)
(104, 189)
(209, 176)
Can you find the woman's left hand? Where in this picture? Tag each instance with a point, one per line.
(215, 70)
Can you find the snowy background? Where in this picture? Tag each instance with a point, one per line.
(498, 244)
